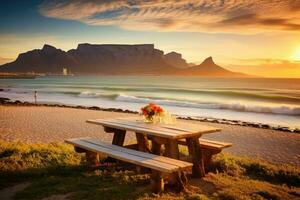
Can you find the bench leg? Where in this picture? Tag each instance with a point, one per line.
(158, 184)
(181, 181)
(92, 158)
(207, 156)
(198, 163)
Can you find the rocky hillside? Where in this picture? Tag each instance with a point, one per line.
(176, 60)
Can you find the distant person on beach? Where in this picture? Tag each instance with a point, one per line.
(35, 97)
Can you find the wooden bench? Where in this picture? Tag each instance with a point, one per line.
(209, 148)
(160, 165)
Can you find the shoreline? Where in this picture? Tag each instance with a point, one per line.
(8, 102)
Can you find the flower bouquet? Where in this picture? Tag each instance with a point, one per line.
(152, 112)
(155, 114)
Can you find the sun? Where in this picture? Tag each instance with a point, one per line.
(296, 55)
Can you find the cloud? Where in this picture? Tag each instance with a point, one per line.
(184, 15)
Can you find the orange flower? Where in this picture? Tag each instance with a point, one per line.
(151, 109)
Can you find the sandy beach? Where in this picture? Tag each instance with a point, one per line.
(47, 124)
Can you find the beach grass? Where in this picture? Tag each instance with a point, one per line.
(55, 169)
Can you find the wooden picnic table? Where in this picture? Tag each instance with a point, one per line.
(160, 134)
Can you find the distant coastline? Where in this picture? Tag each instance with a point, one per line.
(7, 102)
(17, 76)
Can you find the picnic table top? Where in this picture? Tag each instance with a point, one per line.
(177, 130)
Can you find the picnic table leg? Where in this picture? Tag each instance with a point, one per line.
(119, 135)
(142, 145)
(118, 139)
(158, 181)
(178, 178)
(196, 151)
(172, 150)
(156, 148)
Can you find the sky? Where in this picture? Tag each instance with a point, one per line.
(251, 36)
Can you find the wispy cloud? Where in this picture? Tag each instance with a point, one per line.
(184, 15)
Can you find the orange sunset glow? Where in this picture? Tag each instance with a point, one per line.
(255, 37)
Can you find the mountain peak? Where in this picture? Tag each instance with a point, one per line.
(47, 47)
(208, 61)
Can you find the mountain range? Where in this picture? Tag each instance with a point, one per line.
(113, 59)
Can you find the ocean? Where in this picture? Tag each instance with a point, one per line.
(259, 100)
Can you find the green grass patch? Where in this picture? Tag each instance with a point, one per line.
(256, 169)
(20, 161)
(55, 169)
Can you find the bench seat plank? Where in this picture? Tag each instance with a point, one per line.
(209, 144)
(151, 161)
(179, 163)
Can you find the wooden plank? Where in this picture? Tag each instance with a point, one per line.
(190, 127)
(179, 163)
(144, 126)
(178, 126)
(150, 130)
(147, 156)
(224, 144)
(134, 129)
(157, 127)
(123, 155)
(209, 144)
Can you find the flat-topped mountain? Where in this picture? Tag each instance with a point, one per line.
(142, 59)
(91, 59)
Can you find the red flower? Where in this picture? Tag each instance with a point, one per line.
(151, 109)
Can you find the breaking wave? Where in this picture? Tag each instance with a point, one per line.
(233, 106)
